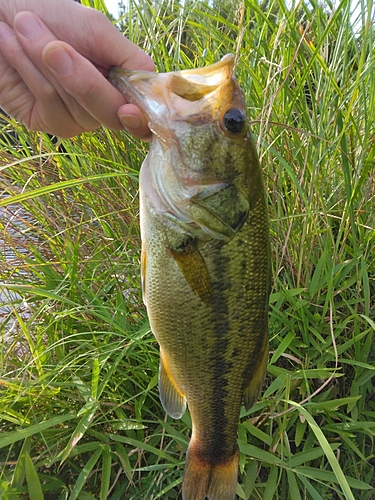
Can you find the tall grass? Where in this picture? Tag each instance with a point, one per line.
(80, 416)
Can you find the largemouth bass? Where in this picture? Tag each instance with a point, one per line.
(205, 259)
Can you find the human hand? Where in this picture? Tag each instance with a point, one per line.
(54, 58)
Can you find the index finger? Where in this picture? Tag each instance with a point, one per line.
(87, 30)
(86, 84)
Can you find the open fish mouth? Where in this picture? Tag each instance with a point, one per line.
(190, 84)
(171, 96)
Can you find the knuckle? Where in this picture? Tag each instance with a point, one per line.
(48, 92)
(95, 19)
(100, 25)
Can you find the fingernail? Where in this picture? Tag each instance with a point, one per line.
(133, 122)
(5, 31)
(58, 59)
(27, 25)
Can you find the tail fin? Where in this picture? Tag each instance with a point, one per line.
(202, 479)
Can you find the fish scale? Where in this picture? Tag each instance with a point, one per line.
(205, 260)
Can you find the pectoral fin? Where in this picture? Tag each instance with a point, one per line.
(194, 269)
(172, 399)
(252, 390)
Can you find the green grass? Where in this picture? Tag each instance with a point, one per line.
(80, 416)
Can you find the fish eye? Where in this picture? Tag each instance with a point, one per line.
(234, 120)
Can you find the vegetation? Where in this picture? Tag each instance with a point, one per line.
(80, 416)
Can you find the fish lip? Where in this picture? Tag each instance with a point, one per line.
(120, 78)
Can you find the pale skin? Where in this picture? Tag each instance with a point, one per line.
(54, 59)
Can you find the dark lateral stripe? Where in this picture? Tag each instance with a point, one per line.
(219, 442)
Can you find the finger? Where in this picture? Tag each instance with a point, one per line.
(97, 38)
(12, 87)
(84, 82)
(89, 87)
(78, 82)
(134, 121)
(116, 49)
(18, 99)
(33, 36)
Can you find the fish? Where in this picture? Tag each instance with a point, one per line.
(205, 259)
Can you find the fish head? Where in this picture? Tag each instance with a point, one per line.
(203, 153)
(196, 96)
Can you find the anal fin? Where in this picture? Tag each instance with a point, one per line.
(172, 399)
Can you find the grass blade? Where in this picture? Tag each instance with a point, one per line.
(33, 484)
(327, 450)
